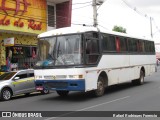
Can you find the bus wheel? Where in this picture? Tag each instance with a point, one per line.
(6, 94)
(100, 87)
(140, 81)
(62, 93)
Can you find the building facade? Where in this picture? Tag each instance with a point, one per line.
(20, 23)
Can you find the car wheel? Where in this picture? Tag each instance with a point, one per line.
(27, 94)
(45, 92)
(6, 94)
(62, 93)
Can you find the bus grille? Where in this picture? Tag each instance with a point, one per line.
(56, 85)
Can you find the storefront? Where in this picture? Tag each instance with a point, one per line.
(18, 52)
(20, 23)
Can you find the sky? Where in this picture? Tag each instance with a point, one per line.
(134, 15)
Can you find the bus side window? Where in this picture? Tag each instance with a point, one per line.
(147, 46)
(118, 44)
(132, 45)
(92, 51)
(152, 47)
(123, 44)
(88, 46)
(112, 44)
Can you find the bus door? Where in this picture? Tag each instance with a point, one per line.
(92, 55)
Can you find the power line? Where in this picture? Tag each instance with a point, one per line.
(82, 3)
(101, 5)
(82, 24)
(140, 13)
(135, 9)
(158, 30)
(22, 17)
(45, 9)
(82, 7)
(38, 20)
(103, 27)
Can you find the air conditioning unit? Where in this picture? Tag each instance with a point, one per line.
(99, 2)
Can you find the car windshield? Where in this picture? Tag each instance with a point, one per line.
(60, 51)
(7, 76)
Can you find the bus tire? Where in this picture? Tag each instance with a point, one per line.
(62, 93)
(6, 94)
(100, 87)
(140, 80)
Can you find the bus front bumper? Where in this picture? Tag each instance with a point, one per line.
(69, 85)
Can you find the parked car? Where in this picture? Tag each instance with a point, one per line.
(17, 82)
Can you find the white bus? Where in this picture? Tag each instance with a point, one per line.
(89, 59)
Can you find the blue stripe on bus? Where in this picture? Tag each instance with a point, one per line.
(70, 85)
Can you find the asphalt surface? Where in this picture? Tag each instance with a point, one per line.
(124, 97)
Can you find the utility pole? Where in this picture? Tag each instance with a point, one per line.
(94, 4)
(151, 27)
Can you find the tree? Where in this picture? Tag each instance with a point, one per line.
(119, 29)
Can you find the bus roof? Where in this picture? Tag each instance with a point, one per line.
(82, 29)
(66, 30)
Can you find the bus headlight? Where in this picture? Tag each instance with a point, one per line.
(76, 76)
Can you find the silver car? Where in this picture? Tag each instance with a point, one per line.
(17, 82)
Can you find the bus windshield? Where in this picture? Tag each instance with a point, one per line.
(60, 51)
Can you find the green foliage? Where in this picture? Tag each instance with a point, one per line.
(119, 29)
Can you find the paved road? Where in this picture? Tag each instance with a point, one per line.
(125, 97)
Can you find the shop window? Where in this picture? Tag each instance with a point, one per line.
(51, 16)
(20, 57)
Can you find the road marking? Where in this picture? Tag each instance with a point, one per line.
(103, 103)
(88, 107)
